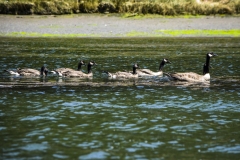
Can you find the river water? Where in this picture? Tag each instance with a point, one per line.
(69, 118)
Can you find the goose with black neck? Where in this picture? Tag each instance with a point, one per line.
(194, 77)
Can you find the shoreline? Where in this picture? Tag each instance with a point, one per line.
(98, 25)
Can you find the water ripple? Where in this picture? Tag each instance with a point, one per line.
(225, 149)
(35, 146)
(35, 118)
(95, 155)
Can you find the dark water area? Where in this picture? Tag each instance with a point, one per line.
(98, 118)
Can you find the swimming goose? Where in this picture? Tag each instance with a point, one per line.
(149, 73)
(124, 75)
(194, 77)
(29, 72)
(73, 73)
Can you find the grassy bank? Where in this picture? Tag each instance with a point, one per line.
(133, 7)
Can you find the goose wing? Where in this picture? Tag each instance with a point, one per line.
(64, 70)
(145, 71)
(76, 74)
(121, 75)
(125, 75)
(148, 72)
(28, 72)
(190, 76)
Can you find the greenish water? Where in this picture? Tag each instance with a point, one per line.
(52, 118)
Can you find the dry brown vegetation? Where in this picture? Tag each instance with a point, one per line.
(161, 7)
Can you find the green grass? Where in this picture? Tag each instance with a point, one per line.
(201, 33)
(157, 33)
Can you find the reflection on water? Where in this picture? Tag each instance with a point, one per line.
(64, 118)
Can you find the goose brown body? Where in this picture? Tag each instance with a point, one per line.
(62, 70)
(149, 73)
(74, 73)
(194, 77)
(190, 77)
(124, 75)
(29, 72)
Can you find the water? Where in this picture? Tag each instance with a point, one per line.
(51, 118)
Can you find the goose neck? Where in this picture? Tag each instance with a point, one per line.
(161, 66)
(89, 68)
(134, 70)
(79, 66)
(206, 65)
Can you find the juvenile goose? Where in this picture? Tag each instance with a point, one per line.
(29, 72)
(124, 75)
(149, 73)
(194, 77)
(73, 73)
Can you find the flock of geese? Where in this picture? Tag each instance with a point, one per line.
(135, 73)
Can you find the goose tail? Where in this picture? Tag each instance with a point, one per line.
(169, 75)
(15, 73)
(108, 73)
(55, 72)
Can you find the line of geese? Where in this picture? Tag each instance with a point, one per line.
(135, 73)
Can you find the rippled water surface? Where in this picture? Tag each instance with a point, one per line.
(69, 118)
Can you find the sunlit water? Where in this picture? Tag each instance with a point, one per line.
(54, 118)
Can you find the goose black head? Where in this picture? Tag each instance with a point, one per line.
(211, 54)
(166, 60)
(92, 63)
(80, 64)
(135, 66)
(44, 71)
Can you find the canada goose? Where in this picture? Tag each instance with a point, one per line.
(148, 72)
(194, 77)
(29, 72)
(62, 70)
(124, 75)
(73, 73)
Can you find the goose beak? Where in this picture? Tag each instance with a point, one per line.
(169, 62)
(214, 54)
